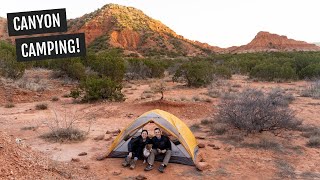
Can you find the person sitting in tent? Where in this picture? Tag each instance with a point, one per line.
(135, 148)
(161, 145)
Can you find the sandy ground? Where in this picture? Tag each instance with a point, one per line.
(231, 161)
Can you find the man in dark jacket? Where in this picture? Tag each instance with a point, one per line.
(161, 145)
(135, 148)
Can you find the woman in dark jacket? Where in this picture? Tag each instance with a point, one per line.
(135, 148)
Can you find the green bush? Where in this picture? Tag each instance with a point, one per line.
(222, 71)
(310, 71)
(196, 74)
(100, 43)
(200, 73)
(272, 71)
(75, 93)
(9, 67)
(145, 68)
(136, 69)
(72, 67)
(75, 70)
(156, 68)
(110, 64)
(96, 88)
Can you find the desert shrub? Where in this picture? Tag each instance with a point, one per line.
(196, 74)
(9, 67)
(214, 93)
(310, 71)
(200, 73)
(205, 122)
(266, 144)
(273, 65)
(9, 105)
(144, 68)
(156, 68)
(218, 128)
(100, 43)
(280, 97)
(109, 64)
(285, 170)
(75, 93)
(314, 141)
(63, 127)
(136, 69)
(54, 98)
(75, 70)
(254, 111)
(95, 88)
(159, 88)
(66, 95)
(29, 128)
(64, 134)
(313, 131)
(33, 84)
(196, 98)
(183, 98)
(195, 127)
(312, 91)
(55, 74)
(272, 71)
(71, 67)
(244, 66)
(222, 71)
(42, 106)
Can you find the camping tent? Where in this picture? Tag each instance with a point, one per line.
(184, 148)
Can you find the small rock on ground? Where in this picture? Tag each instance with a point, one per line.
(98, 138)
(100, 157)
(116, 172)
(141, 177)
(214, 146)
(200, 137)
(82, 154)
(203, 166)
(86, 167)
(108, 139)
(75, 159)
(201, 145)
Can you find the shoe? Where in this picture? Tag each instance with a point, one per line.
(125, 164)
(132, 164)
(148, 168)
(161, 168)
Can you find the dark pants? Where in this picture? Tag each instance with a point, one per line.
(136, 154)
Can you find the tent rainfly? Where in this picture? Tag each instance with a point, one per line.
(184, 147)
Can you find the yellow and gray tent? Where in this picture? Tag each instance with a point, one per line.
(184, 148)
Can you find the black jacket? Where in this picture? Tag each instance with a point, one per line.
(137, 144)
(162, 143)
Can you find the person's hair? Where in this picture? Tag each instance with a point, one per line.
(157, 129)
(144, 131)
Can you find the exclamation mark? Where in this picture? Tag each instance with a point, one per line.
(78, 45)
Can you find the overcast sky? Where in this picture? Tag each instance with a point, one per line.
(221, 23)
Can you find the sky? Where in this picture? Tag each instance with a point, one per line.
(222, 23)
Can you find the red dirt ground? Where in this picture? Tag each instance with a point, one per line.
(228, 162)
